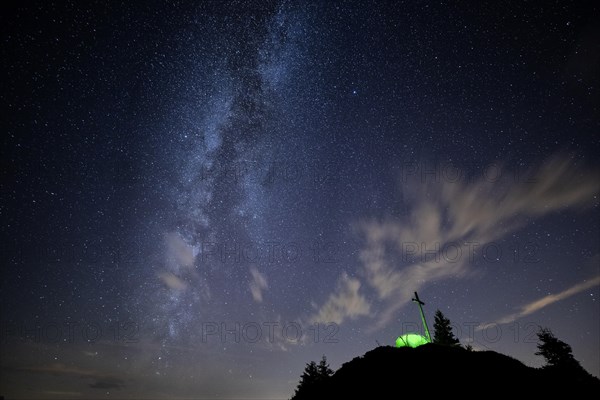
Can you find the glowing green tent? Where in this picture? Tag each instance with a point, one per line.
(411, 340)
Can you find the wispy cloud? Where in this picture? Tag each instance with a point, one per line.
(101, 380)
(179, 258)
(172, 281)
(62, 369)
(61, 393)
(545, 301)
(108, 383)
(447, 221)
(345, 302)
(178, 252)
(457, 216)
(257, 285)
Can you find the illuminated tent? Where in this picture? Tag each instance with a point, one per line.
(414, 339)
(411, 340)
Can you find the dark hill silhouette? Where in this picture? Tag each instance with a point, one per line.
(391, 373)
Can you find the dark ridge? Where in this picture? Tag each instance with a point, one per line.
(391, 373)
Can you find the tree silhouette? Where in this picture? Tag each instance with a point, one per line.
(556, 352)
(323, 369)
(308, 379)
(442, 330)
(313, 376)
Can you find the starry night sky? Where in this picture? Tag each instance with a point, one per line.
(198, 198)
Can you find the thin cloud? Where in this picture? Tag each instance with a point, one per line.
(179, 253)
(545, 301)
(172, 281)
(101, 380)
(401, 256)
(62, 369)
(61, 394)
(345, 302)
(108, 383)
(257, 285)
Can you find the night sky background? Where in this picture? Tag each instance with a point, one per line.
(198, 198)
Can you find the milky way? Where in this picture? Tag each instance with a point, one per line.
(223, 186)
